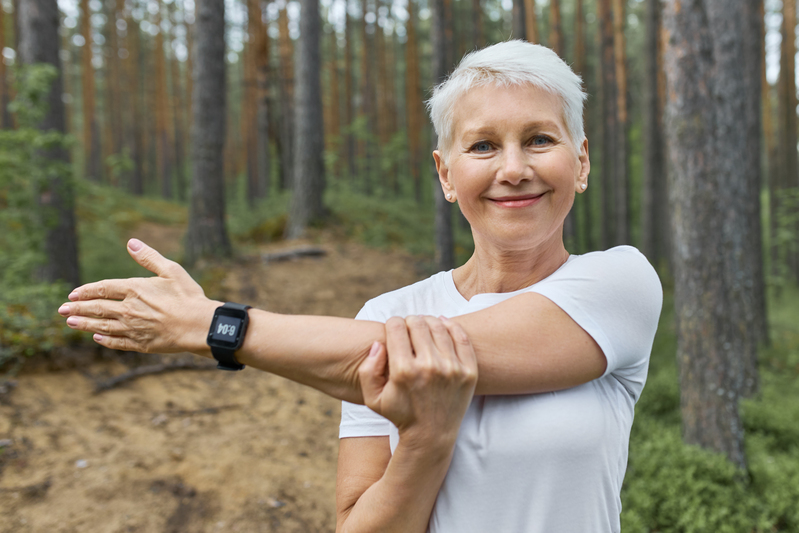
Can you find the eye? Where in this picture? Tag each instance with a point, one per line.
(540, 140)
(481, 147)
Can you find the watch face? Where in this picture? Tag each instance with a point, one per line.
(226, 329)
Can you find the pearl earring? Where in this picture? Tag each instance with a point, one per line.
(449, 196)
(583, 186)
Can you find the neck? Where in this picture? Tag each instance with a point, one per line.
(493, 270)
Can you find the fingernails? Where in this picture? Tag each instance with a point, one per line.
(97, 337)
(443, 318)
(135, 244)
(375, 348)
(63, 310)
(72, 321)
(73, 295)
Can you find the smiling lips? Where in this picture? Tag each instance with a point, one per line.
(517, 201)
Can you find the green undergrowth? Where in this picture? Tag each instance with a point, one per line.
(674, 488)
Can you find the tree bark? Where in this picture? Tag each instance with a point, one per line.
(610, 125)
(163, 152)
(709, 148)
(92, 166)
(445, 245)
(207, 233)
(286, 137)
(5, 116)
(309, 168)
(413, 102)
(518, 19)
(621, 175)
(178, 118)
(349, 114)
(264, 75)
(654, 215)
(39, 43)
(136, 89)
(530, 21)
(556, 42)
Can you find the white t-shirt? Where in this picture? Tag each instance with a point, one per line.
(551, 462)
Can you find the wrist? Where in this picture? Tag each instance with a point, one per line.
(434, 445)
(196, 336)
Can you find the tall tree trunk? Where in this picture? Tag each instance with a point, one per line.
(136, 94)
(518, 19)
(39, 43)
(207, 233)
(445, 246)
(286, 137)
(5, 116)
(335, 100)
(654, 216)
(556, 42)
(309, 168)
(176, 108)
(113, 107)
(610, 125)
(709, 147)
(249, 105)
(163, 152)
(530, 21)
(367, 100)
(478, 34)
(264, 76)
(349, 114)
(582, 203)
(621, 175)
(413, 101)
(91, 138)
(748, 254)
(785, 253)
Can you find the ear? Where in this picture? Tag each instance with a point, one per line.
(585, 168)
(443, 175)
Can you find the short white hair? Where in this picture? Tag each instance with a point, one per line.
(507, 64)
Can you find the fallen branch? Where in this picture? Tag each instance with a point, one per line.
(286, 255)
(102, 386)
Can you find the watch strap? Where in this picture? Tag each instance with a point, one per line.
(226, 357)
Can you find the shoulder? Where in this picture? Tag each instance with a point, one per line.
(417, 298)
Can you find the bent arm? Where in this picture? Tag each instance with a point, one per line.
(525, 344)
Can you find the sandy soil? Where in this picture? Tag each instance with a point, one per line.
(191, 451)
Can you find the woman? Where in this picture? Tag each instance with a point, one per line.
(514, 413)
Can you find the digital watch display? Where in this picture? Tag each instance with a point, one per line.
(226, 334)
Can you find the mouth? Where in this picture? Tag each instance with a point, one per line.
(517, 201)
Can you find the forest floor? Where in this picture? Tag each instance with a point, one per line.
(188, 451)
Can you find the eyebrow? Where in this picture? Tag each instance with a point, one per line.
(532, 126)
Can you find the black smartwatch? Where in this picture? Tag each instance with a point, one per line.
(227, 334)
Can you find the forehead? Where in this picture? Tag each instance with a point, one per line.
(505, 108)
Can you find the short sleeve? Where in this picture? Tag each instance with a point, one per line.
(359, 420)
(616, 297)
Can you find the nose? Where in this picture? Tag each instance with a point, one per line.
(515, 167)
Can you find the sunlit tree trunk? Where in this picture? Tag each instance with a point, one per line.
(530, 21)
(309, 168)
(709, 147)
(334, 126)
(367, 100)
(478, 34)
(582, 202)
(39, 43)
(249, 105)
(556, 41)
(91, 139)
(207, 232)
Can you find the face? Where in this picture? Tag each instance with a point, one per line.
(512, 167)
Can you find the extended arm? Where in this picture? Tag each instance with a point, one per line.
(526, 344)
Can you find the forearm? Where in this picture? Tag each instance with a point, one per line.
(403, 498)
(321, 352)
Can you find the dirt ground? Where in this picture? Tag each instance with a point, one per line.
(188, 451)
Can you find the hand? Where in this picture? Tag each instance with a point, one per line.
(168, 313)
(432, 373)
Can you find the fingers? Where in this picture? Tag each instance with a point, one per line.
(372, 374)
(92, 308)
(463, 346)
(107, 289)
(104, 326)
(150, 259)
(116, 343)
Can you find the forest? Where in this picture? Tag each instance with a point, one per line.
(229, 130)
